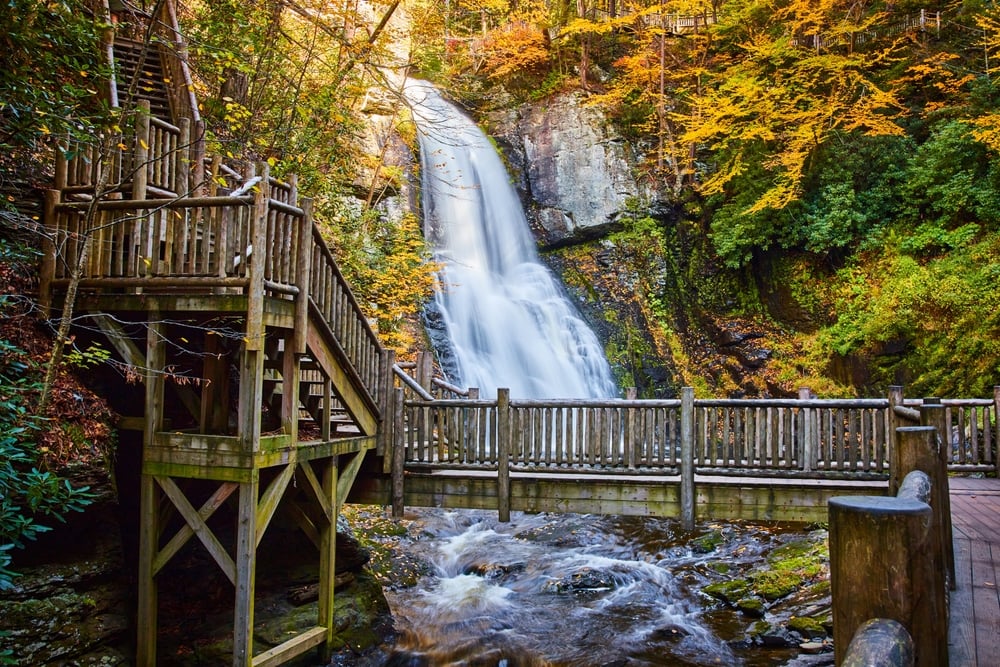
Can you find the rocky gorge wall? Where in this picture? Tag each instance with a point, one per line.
(665, 312)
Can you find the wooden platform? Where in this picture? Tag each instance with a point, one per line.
(974, 628)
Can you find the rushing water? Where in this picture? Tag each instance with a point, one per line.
(508, 321)
(573, 591)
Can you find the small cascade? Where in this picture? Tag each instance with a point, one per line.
(560, 590)
(508, 321)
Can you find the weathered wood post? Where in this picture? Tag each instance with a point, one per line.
(383, 444)
(398, 452)
(807, 431)
(50, 246)
(895, 400)
(880, 642)
(140, 151)
(876, 545)
(149, 496)
(687, 458)
(996, 423)
(932, 414)
(503, 453)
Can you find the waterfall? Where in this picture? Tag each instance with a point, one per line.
(508, 320)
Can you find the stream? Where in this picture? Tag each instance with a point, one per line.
(582, 590)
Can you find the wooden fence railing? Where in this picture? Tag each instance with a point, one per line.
(254, 237)
(805, 437)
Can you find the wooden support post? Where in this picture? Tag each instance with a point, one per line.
(996, 425)
(932, 413)
(50, 246)
(807, 432)
(303, 270)
(328, 557)
(687, 458)
(182, 165)
(881, 566)
(149, 510)
(398, 452)
(895, 399)
(215, 388)
(246, 570)
(140, 151)
(503, 453)
(385, 431)
(917, 452)
(291, 375)
(256, 273)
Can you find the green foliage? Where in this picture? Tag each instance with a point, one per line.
(51, 78)
(94, 355)
(28, 494)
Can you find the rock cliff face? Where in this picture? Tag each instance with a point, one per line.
(575, 172)
(579, 182)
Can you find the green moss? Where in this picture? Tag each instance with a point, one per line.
(729, 592)
(707, 543)
(774, 584)
(806, 625)
(720, 566)
(751, 606)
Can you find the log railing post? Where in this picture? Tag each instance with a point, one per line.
(398, 452)
(140, 151)
(895, 399)
(387, 422)
(932, 414)
(687, 458)
(504, 437)
(876, 544)
(807, 431)
(50, 247)
(303, 272)
(996, 426)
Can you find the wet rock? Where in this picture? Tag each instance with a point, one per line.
(751, 606)
(581, 581)
(670, 633)
(729, 592)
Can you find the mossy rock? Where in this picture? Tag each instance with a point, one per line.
(807, 626)
(729, 592)
(721, 567)
(751, 606)
(707, 543)
(776, 584)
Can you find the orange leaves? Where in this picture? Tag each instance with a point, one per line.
(515, 48)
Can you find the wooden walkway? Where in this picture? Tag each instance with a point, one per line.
(974, 629)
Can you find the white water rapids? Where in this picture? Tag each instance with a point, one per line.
(508, 320)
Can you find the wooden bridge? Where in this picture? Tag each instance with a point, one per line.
(265, 387)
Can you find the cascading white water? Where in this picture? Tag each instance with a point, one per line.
(508, 321)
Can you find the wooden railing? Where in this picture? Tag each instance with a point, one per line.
(804, 437)
(333, 299)
(255, 239)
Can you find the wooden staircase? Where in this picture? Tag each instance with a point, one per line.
(140, 68)
(259, 369)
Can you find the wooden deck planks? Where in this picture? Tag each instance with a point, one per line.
(974, 628)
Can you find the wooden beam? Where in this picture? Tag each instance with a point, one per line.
(347, 477)
(328, 557)
(198, 525)
(270, 499)
(147, 594)
(352, 400)
(295, 646)
(303, 521)
(149, 510)
(246, 573)
(179, 539)
(314, 485)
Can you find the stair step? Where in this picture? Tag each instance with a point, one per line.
(149, 79)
